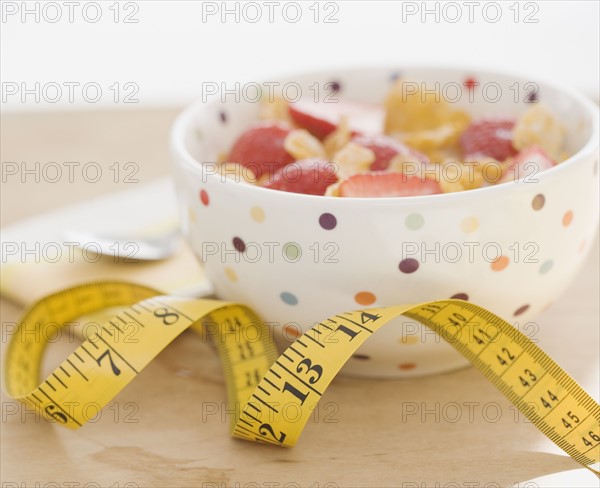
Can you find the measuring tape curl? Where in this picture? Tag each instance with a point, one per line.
(259, 380)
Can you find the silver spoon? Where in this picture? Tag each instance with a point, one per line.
(126, 248)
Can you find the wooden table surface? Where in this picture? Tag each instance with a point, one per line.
(162, 430)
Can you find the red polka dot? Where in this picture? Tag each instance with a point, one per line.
(470, 83)
(204, 197)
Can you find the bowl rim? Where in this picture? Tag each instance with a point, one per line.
(181, 124)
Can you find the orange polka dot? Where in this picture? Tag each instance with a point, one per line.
(567, 218)
(292, 331)
(407, 366)
(500, 263)
(364, 298)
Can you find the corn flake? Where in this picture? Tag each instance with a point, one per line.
(538, 126)
(303, 145)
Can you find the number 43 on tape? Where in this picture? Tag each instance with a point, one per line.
(260, 379)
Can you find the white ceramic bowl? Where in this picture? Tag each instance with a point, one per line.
(296, 259)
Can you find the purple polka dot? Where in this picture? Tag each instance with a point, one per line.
(327, 221)
(240, 246)
(223, 117)
(460, 296)
(334, 86)
(395, 75)
(409, 265)
(521, 310)
(532, 97)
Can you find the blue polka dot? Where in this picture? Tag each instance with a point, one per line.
(289, 298)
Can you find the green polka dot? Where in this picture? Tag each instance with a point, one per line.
(547, 266)
(292, 251)
(414, 221)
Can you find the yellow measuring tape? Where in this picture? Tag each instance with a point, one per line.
(259, 380)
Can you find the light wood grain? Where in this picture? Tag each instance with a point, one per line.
(360, 438)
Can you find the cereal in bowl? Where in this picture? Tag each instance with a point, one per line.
(413, 144)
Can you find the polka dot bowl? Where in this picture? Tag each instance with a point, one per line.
(297, 259)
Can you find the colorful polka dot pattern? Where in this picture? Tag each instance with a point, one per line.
(412, 222)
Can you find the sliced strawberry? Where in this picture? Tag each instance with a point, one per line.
(490, 136)
(261, 149)
(384, 184)
(322, 118)
(309, 176)
(528, 163)
(386, 148)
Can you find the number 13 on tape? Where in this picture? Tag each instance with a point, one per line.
(261, 380)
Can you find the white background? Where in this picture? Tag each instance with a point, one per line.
(170, 51)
